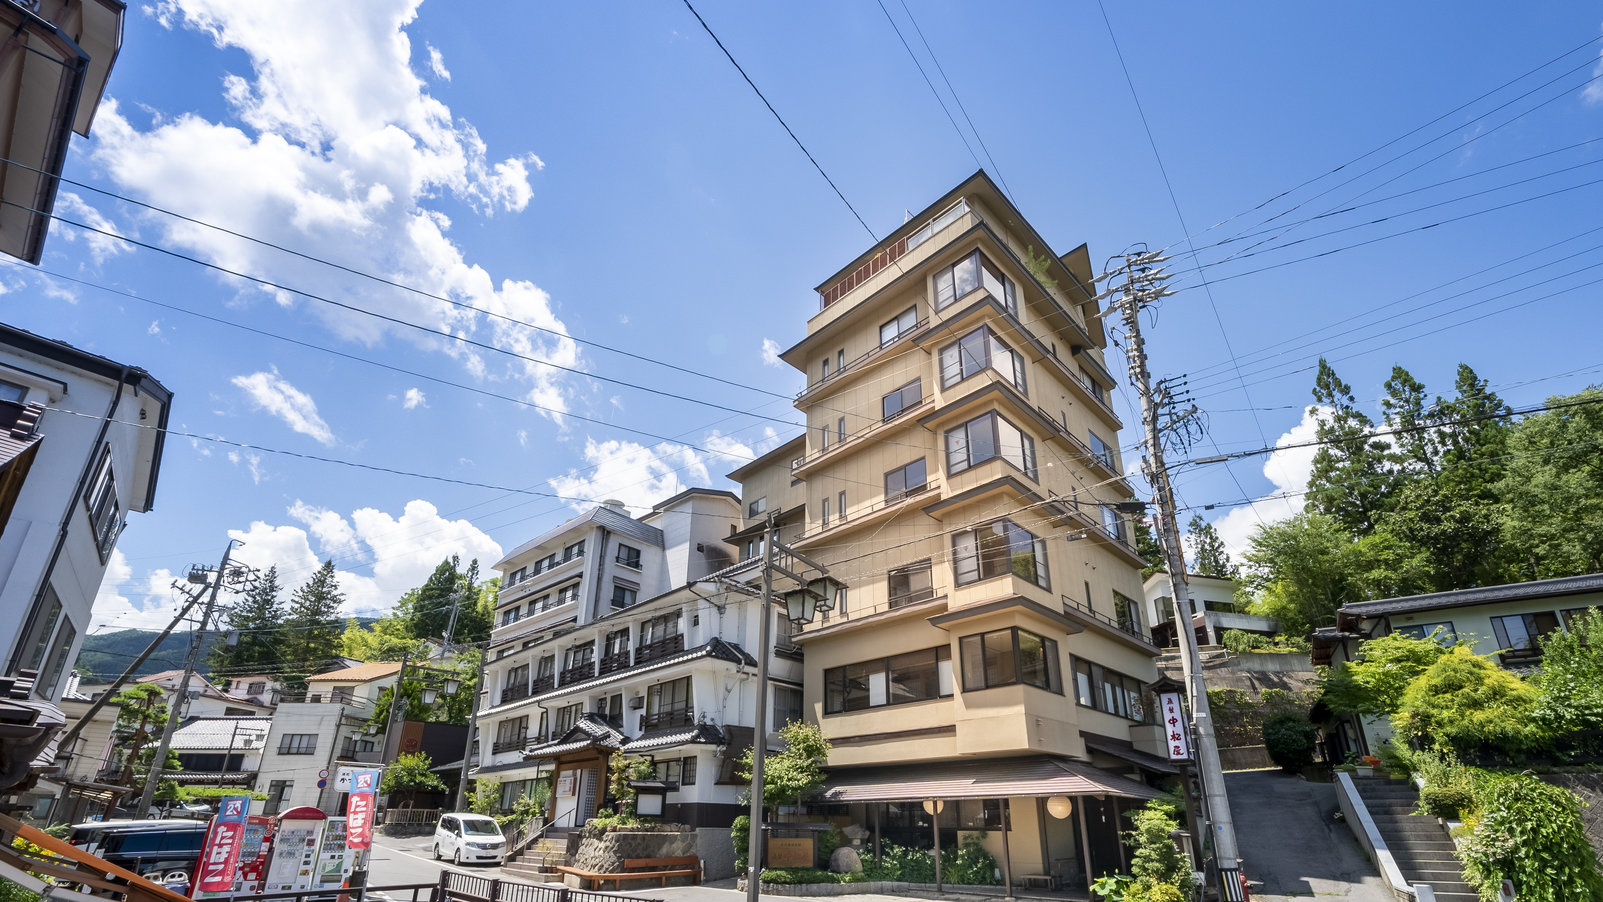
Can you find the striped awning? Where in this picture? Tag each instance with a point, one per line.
(982, 779)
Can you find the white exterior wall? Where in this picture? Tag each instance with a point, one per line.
(67, 446)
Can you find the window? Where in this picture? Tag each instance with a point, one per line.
(573, 551)
(511, 733)
(105, 516)
(840, 360)
(896, 328)
(543, 603)
(517, 576)
(629, 556)
(1107, 690)
(985, 437)
(1571, 617)
(617, 642)
(517, 681)
(57, 662)
(905, 480)
(277, 791)
(840, 505)
(757, 506)
(659, 628)
(902, 399)
(544, 564)
(787, 705)
(546, 667)
(970, 273)
(1519, 632)
(687, 772)
(568, 593)
(1423, 630)
(1112, 522)
(1101, 450)
(297, 744)
(826, 512)
(997, 549)
(10, 391)
(564, 720)
(1006, 657)
(510, 616)
(1093, 386)
(623, 596)
(823, 437)
(824, 373)
(579, 656)
(1127, 612)
(910, 585)
(977, 351)
(668, 705)
(913, 677)
(840, 429)
(256, 688)
(36, 640)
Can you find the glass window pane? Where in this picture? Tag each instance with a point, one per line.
(973, 650)
(916, 478)
(965, 560)
(957, 456)
(951, 365)
(981, 438)
(945, 290)
(1083, 692)
(966, 275)
(1032, 660)
(1000, 665)
(971, 351)
(943, 670)
(878, 685)
(1054, 676)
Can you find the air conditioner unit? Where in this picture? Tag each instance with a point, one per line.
(637, 702)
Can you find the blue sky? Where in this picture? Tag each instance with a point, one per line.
(602, 173)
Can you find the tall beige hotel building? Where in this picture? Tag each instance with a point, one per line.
(961, 474)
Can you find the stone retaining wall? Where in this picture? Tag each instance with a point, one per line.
(606, 854)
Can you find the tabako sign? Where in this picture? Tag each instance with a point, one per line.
(360, 809)
(220, 856)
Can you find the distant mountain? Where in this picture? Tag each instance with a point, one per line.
(105, 656)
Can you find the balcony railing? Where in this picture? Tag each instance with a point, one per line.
(577, 673)
(919, 597)
(857, 362)
(669, 719)
(509, 744)
(1122, 624)
(543, 684)
(662, 648)
(514, 692)
(614, 662)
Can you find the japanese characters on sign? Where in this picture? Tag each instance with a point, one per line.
(1176, 731)
(220, 854)
(360, 809)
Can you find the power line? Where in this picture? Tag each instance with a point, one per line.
(938, 98)
(781, 120)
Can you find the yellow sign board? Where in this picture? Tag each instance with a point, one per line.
(790, 852)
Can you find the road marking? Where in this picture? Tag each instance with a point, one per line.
(442, 865)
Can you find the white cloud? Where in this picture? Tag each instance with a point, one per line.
(124, 603)
(274, 394)
(437, 63)
(1593, 92)
(356, 175)
(771, 351)
(251, 460)
(1288, 469)
(101, 246)
(414, 399)
(632, 473)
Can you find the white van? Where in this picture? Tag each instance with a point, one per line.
(465, 838)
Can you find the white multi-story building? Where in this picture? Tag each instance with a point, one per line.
(205, 699)
(613, 635)
(314, 734)
(81, 442)
(1213, 609)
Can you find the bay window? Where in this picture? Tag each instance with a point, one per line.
(989, 436)
(1008, 657)
(998, 549)
(977, 351)
(898, 679)
(973, 272)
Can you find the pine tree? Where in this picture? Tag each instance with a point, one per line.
(1208, 554)
(428, 607)
(258, 618)
(1352, 478)
(312, 627)
(1404, 406)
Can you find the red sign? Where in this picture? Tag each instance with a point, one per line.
(220, 855)
(360, 809)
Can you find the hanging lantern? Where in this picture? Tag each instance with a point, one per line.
(823, 592)
(1059, 807)
(430, 694)
(933, 807)
(452, 684)
(799, 606)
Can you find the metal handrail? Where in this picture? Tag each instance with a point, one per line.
(1122, 626)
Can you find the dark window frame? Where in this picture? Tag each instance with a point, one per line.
(1051, 662)
(898, 402)
(892, 493)
(1027, 459)
(985, 559)
(840, 697)
(911, 317)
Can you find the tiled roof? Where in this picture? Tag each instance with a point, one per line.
(361, 673)
(1541, 588)
(589, 730)
(699, 734)
(242, 733)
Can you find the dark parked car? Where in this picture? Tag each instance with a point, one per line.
(161, 851)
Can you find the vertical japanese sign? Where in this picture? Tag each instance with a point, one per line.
(220, 855)
(360, 809)
(1176, 732)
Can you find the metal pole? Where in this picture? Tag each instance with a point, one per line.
(1007, 856)
(759, 739)
(467, 747)
(391, 730)
(1145, 285)
(935, 830)
(182, 696)
(233, 737)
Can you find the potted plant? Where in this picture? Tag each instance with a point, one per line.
(1367, 765)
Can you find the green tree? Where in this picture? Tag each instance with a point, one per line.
(1374, 684)
(1531, 833)
(1208, 554)
(312, 628)
(1146, 545)
(486, 797)
(409, 775)
(1300, 571)
(141, 717)
(1352, 477)
(428, 608)
(388, 639)
(1464, 701)
(257, 617)
(795, 772)
(1405, 409)
(1451, 534)
(1155, 858)
(1569, 687)
(1473, 446)
(1553, 489)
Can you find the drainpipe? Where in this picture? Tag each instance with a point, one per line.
(60, 541)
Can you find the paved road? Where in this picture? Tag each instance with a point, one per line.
(394, 861)
(1292, 848)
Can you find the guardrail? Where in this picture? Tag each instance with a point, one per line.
(455, 887)
(411, 815)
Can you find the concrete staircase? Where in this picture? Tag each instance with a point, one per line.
(538, 862)
(1423, 850)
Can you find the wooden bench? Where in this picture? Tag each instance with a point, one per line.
(642, 869)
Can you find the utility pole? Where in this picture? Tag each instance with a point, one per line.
(759, 735)
(1143, 286)
(392, 730)
(468, 745)
(182, 695)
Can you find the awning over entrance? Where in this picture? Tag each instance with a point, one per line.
(982, 779)
(1124, 748)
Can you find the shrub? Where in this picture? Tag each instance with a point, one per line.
(969, 864)
(826, 842)
(1289, 739)
(1155, 892)
(740, 837)
(1531, 833)
(911, 865)
(1447, 801)
(1449, 786)
(798, 875)
(1154, 858)
(1464, 702)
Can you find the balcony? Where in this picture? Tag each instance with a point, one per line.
(543, 684)
(510, 744)
(614, 662)
(514, 692)
(668, 720)
(350, 751)
(577, 673)
(1124, 626)
(857, 363)
(662, 648)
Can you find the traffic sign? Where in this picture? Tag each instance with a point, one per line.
(323, 774)
(321, 784)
